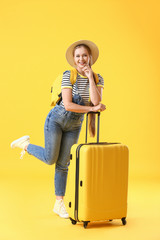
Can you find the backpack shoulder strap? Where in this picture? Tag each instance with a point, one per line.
(96, 77)
(73, 76)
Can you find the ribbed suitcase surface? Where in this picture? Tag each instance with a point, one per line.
(97, 186)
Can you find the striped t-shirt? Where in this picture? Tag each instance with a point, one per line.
(81, 85)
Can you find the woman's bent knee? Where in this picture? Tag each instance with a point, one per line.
(62, 168)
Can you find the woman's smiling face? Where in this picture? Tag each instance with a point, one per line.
(81, 57)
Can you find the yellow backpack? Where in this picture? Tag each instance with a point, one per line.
(56, 96)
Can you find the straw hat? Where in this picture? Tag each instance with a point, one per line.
(91, 45)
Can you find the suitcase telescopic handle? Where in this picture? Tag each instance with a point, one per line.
(98, 122)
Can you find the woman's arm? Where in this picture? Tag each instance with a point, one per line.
(73, 107)
(95, 92)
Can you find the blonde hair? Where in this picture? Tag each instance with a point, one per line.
(82, 45)
(91, 116)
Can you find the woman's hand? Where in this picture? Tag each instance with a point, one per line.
(100, 107)
(88, 71)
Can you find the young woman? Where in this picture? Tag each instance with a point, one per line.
(64, 121)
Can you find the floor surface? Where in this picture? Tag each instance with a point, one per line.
(26, 204)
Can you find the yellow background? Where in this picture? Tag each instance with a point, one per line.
(34, 36)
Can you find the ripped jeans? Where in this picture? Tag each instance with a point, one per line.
(61, 129)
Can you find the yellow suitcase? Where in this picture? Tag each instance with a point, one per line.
(97, 181)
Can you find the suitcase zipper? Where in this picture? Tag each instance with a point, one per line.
(77, 181)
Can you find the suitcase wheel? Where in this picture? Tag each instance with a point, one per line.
(85, 224)
(124, 221)
(73, 221)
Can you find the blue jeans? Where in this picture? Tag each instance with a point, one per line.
(61, 129)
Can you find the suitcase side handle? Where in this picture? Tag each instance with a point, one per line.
(98, 123)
